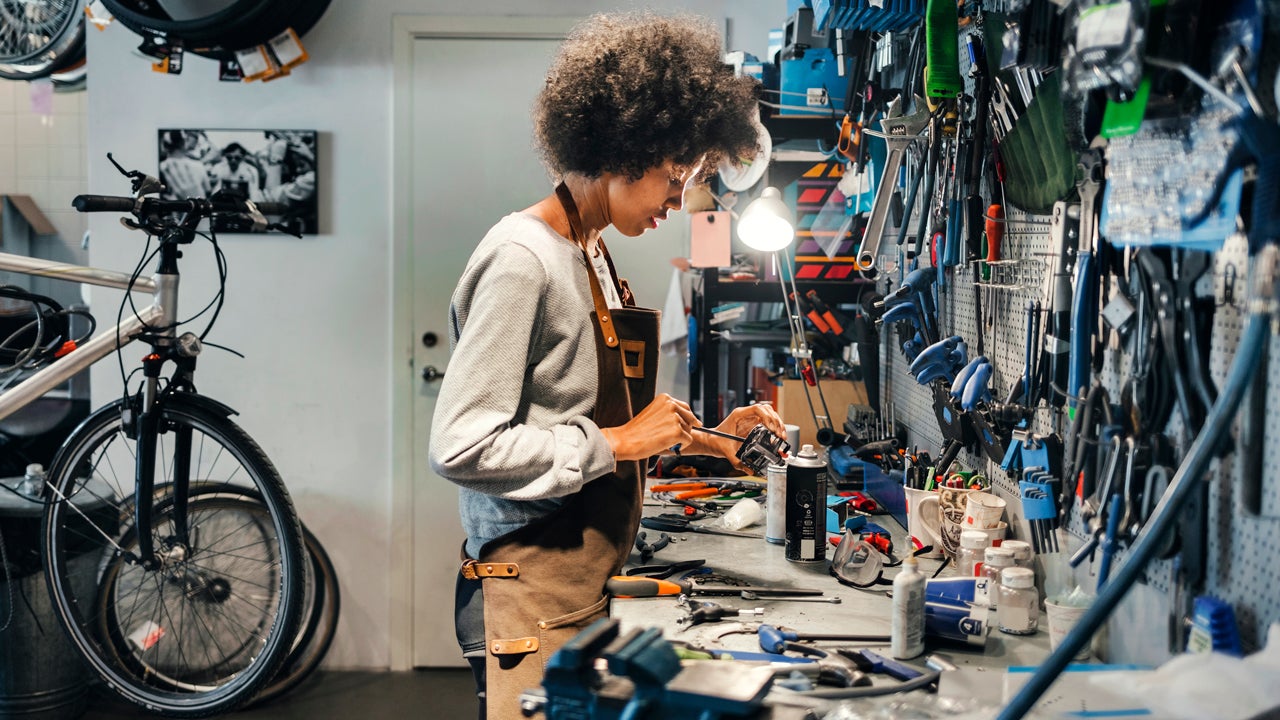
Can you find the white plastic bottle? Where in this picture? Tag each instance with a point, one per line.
(907, 633)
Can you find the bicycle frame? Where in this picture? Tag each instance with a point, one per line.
(161, 313)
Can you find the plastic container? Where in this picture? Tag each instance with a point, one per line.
(1018, 611)
(973, 544)
(1023, 556)
(994, 561)
(906, 639)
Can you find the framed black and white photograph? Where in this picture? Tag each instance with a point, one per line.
(259, 165)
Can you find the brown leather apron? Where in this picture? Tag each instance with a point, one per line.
(545, 582)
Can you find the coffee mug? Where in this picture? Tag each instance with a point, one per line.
(924, 521)
(951, 507)
(983, 510)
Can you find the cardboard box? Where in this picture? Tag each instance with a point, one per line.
(839, 394)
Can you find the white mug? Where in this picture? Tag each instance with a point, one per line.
(924, 518)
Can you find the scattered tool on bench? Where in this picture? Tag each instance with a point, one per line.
(647, 549)
(774, 639)
(677, 523)
(749, 595)
(623, 586)
(706, 611)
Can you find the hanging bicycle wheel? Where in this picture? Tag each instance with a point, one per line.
(58, 54)
(217, 29)
(30, 30)
(203, 627)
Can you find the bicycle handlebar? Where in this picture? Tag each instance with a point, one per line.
(204, 207)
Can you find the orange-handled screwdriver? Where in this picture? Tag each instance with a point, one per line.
(623, 586)
(995, 231)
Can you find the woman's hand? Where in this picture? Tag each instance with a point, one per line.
(661, 424)
(739, 423)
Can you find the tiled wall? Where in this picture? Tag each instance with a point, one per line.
(44, 156)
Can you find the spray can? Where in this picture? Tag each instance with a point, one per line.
(806, 517)
(775, 505)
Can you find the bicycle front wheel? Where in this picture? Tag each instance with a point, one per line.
(205, 625)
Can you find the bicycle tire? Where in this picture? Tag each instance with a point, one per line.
(321, 602)
(92, 484)
(319, 627)
(221, 40)
(30, 32)
(69, 50)
(153, 18)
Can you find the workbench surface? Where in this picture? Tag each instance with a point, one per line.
(760, 563)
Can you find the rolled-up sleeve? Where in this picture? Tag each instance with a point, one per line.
(478, 440)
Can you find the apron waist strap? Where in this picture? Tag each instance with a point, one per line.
(476, 570)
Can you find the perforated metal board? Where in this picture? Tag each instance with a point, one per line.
(1241, 568)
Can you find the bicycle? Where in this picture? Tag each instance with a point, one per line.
(183, 599)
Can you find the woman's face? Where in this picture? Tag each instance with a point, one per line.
(639, 205)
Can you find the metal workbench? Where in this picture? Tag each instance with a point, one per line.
(760, 563)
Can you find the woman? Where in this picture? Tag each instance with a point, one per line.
(547, 442)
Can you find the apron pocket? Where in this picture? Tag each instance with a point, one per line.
(556, 632)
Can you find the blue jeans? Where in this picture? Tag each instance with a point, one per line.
(468, 625)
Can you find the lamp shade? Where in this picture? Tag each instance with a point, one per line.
(767, 223)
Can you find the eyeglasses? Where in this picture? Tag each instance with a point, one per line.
(857, 563)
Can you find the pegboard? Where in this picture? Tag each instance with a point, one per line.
(1240, 569)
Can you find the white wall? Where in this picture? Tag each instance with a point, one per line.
(43, 155)
(311, 315)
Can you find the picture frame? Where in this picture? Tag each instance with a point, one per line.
(260, 165)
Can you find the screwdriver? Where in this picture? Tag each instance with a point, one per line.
(623, 586)
(775, 640)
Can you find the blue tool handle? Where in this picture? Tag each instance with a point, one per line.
(933, 372)
(976, 388)
(1085, 551)
(954, 225)
(1083, 318)
(892, 668)
(905, 310)
(773, 640)
(1114, 508)
(962, 377)
(933, 354)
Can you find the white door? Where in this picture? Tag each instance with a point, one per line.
(472, 162)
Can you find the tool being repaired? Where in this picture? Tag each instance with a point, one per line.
(759, 449)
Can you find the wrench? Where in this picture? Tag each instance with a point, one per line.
(900, 131)
(748, 595)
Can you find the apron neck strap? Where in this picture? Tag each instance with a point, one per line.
(603, 314)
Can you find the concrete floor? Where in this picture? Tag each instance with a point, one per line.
(443, 694)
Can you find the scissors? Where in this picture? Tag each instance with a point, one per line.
(675, 523)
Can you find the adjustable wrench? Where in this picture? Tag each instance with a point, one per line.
(900, 131)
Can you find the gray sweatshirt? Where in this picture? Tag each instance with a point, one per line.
(511, 425)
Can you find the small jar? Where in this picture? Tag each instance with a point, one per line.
(973, 543)
(1022, 554)
(1019, 606)
(995, 560)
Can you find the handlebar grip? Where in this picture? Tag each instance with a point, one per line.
(103, 203)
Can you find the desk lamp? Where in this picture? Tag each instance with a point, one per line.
(768, 225)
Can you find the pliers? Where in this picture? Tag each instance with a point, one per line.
(647, 549)
(661, 572)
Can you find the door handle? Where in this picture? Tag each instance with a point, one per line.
(431, 374)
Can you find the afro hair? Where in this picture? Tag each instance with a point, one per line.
(627, 92)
